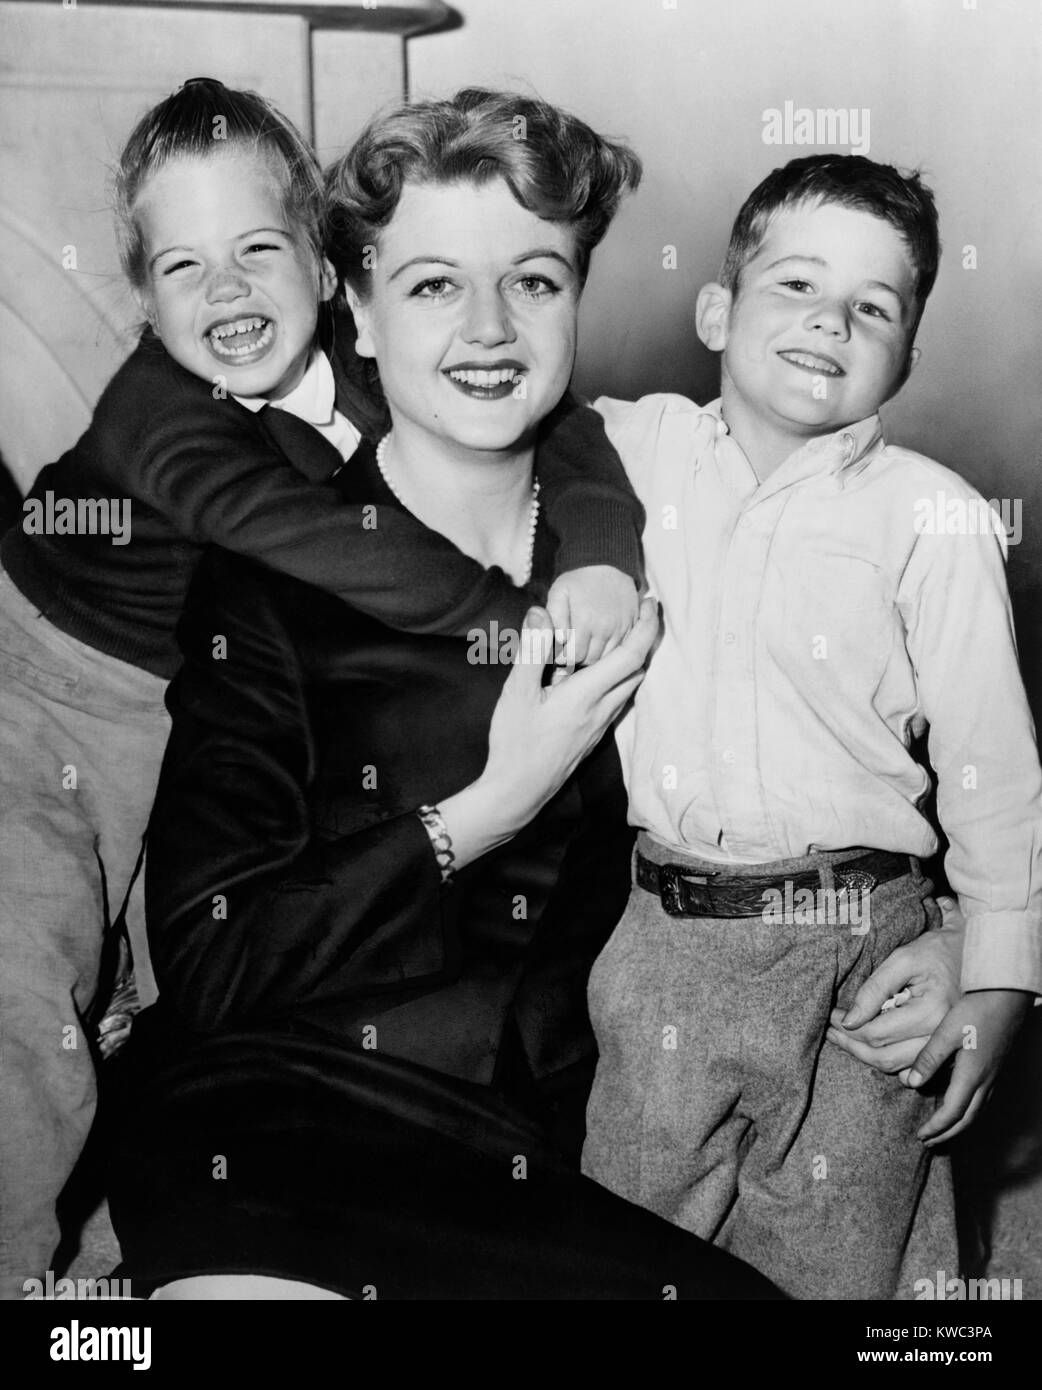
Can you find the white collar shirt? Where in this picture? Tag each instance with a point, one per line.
(314, 399)
(815, 625)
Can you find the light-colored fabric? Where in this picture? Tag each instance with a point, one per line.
(244, 1287)
(313, 400)
(719, 1104)
(81, 741)
(814, 625)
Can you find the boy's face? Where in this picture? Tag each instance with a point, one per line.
(820, 331)
(233, 288)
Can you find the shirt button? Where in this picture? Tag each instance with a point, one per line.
(729, 638)
(729, 756)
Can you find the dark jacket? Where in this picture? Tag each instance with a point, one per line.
(200, 471)
(291, 885)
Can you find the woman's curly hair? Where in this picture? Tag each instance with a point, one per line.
(553, 164)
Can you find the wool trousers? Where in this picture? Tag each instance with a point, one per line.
(719, 1104)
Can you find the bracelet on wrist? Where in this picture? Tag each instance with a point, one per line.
(441, 841)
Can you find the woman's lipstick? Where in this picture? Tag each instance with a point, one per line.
(485, 381)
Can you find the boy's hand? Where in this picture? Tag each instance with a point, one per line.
(928, 969)
(978, 1031)
(595, 607)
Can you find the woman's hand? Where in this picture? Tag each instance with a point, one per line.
(926, 972)
(539, 734)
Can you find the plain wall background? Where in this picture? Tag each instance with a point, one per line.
(955, 91)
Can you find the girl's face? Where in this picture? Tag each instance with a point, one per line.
(233, 288)
(471, 314)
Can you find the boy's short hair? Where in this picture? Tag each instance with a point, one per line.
(555, 166)
(852, 181)
(202, 118)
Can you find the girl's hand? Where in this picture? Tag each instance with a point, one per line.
(539, 734)
(594, 608)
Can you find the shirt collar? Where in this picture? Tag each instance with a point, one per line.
(849, 450)
(313, 398)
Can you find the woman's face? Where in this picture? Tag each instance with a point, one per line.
(471, 314)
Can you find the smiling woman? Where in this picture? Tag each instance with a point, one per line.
(475, 349)
(215, 431)
(463, 231)
(378, 871)
(493, 322)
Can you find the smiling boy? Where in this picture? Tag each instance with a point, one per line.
(815, 632)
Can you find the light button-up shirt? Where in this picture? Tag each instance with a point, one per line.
(815, 626)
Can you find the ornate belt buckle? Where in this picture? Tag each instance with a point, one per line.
(683, 895)
(669, 889)
(856, 880)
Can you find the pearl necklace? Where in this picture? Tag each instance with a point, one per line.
(533, 515)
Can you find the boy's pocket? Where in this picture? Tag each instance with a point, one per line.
(838, 606)
(896, 913)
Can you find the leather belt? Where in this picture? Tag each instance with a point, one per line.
(685, 892)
